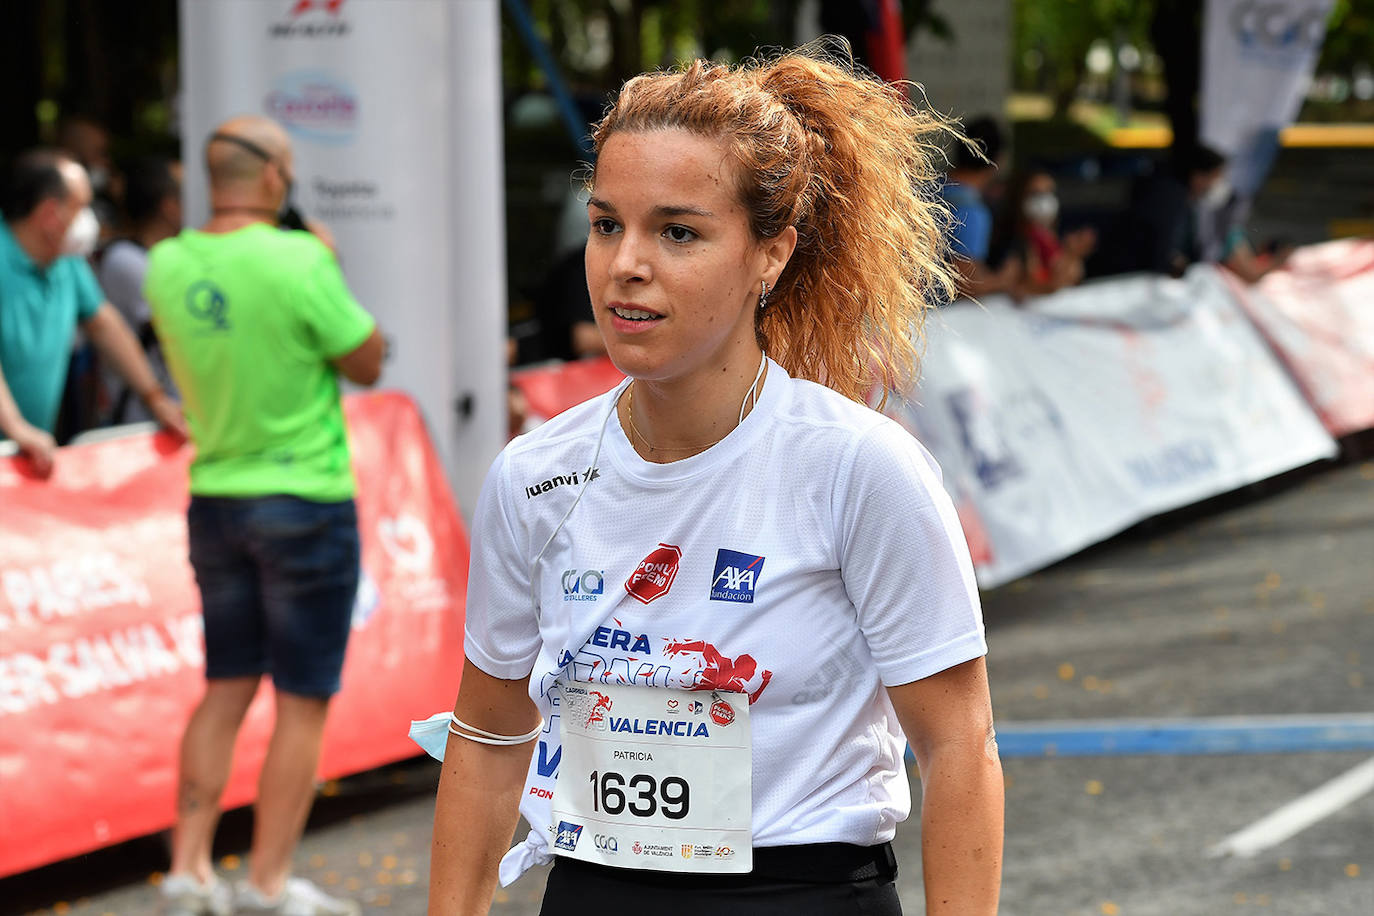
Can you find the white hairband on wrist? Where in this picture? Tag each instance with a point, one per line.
(482, 737)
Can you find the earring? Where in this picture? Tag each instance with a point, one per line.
(763, 296)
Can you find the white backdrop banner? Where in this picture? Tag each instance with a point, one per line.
(1060, 425)
(1318, 314)
(393, 107)
(1257, 61)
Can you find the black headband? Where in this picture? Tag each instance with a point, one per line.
(249, 145)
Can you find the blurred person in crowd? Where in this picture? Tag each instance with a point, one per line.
(1027, 232)
(1186, 215)
(964, 189)
(152, 211)
(46, 291)
(257, 323)
(87, 141)
(564, 310)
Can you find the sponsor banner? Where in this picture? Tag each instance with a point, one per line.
(550, 390)
(1063, 423)
(1257, 60)
(1317, 315)
(393, 109)
(101, 649)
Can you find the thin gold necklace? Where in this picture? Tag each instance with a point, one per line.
(630, 411)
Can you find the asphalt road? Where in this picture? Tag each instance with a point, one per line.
(1258, 605)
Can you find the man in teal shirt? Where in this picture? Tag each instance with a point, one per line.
(46, 291)
(256, 325)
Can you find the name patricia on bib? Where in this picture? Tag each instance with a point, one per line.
(677, 728)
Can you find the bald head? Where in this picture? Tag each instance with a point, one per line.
(262, 142)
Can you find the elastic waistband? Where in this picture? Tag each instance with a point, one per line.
(811, 863)
(826, 863)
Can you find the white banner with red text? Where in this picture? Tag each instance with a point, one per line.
(1318, 315)
(1062, 423)
(101, 648)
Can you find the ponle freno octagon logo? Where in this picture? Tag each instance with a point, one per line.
(655, 574)
(314, 105)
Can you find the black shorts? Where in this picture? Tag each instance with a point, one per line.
(824, 879)
(278, 577)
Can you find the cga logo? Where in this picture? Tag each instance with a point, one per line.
(568, 835)
(205, 301)
(586, 586)
(606, 843)
(315, 106)
(736, 575)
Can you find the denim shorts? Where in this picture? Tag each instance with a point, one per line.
(278, 576)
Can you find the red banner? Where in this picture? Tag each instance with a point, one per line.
(1318, 315)
(101, 651)
(550, 390)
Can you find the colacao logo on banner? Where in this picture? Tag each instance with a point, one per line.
(314, 105)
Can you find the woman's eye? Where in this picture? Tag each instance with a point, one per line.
(679, 234)
(603, 226)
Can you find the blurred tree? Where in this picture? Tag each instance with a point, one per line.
(1349, 38)
(110, 60)
(1051, 39)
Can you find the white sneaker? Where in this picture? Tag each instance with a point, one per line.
(183, 895)
(298, 898)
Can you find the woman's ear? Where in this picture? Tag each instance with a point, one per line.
(777, 251)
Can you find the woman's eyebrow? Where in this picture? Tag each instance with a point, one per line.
(679, 210)
(660, 210)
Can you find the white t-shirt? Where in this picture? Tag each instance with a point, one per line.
(808, 559)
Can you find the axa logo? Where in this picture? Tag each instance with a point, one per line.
(654, 575)
(736, 576)
(568, 835)
(311, 19)
(573, 479)
(587, 585)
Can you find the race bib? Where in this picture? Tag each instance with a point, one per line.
(653, 778)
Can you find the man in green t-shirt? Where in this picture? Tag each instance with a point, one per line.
(256, 324)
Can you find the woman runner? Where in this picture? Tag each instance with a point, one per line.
(707, 610)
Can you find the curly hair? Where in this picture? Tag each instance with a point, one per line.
(852, 164)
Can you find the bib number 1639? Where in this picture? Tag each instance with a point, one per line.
(640, 794)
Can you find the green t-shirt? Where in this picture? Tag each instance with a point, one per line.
(39, 309)
(248, 322)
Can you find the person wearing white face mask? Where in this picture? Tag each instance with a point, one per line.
(1028, 230)
(46, 291)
